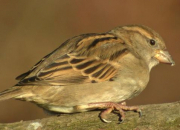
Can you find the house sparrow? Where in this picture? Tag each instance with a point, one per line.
(93, 71)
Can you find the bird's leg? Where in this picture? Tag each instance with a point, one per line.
(110, 106)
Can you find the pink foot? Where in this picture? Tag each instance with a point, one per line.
(110, 106)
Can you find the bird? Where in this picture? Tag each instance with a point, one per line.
(93, 71)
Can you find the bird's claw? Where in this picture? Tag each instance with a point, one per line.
(140, 112)
(121, 107)
(106, 121)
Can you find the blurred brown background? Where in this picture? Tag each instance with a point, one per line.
(31, 29)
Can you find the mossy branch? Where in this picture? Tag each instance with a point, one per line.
(155, 117)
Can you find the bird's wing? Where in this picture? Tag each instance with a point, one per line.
(83, 59)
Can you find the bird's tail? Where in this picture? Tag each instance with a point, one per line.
(12, 92)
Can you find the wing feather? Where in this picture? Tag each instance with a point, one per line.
(91, 58)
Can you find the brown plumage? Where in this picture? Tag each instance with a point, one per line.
(91, 71)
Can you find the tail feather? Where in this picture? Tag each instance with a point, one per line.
(10, 93)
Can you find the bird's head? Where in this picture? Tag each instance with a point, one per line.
(145, 43)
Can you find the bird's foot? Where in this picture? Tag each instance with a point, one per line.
(110, 106)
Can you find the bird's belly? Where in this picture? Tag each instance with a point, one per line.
(67, 99)
(83, 104)
(62, 109)
(75, 103)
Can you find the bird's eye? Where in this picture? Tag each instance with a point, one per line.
(152, 42)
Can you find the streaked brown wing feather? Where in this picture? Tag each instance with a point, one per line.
(95, 58)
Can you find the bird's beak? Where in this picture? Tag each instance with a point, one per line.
(164, 57)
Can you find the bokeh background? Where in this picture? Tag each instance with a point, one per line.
(30, 29)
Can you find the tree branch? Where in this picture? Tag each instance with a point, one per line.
(155, 117)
